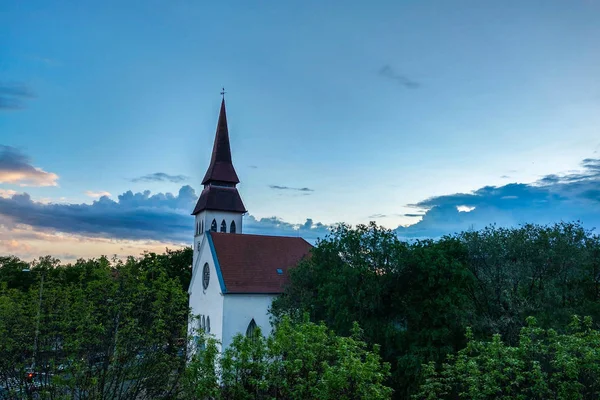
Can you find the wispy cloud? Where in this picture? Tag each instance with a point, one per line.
(388, 72)
(96, 195)
(13, 95)
(378, 216)
(16, 168)
(161, 177)
(304, 189)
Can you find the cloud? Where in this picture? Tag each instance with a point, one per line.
(277, 187)
(275, 226)
(15, 167)
(7, 193)
(567, 197)
(388, 72)
(161, 177)
(161, 217)
(96, 195)
(29, 243)
(377, 216)
(12, 95)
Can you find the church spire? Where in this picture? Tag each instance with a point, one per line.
(220, 192)
(221, 168)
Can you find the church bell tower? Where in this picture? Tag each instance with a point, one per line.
(220, 207)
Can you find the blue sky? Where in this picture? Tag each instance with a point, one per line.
(385, 111)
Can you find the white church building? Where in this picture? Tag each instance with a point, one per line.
(235, 276)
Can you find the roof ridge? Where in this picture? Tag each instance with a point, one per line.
(269, 236)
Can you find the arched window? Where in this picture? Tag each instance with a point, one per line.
(208, 324)
(203, 323)
(232, 227)
(251, 330)
(213, 226)
(223, 226)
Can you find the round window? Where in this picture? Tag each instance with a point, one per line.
(205, 276)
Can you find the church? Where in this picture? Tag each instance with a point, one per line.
(235, 276)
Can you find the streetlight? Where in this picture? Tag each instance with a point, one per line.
(37, 323)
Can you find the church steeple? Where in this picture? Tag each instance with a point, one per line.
(221, 168)
(220, 192)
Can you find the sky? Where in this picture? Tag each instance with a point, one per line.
(427, 117)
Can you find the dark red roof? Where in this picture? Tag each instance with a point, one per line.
(220, 168)
(219, 198)
(249, 263)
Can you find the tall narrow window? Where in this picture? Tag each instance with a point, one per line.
(205, 276)
(223, 226)
(207, 324)
(202, 226)
(251, 330)
(203, 323)
(213, 226)
(232, 227)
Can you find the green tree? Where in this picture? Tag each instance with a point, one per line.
(544, 365)
(411, 298)
(297, 361)
(550, 272)
(107, 329)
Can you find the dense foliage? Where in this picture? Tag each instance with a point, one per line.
(543, 365)
(106, 330)
(300, 361)
(416, 299)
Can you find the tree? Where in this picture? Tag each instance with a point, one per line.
(550, 272)
(410, 298)
(544, 365)
(297, 361)
(108, 330)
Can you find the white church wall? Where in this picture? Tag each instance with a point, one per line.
(207, 302)
(240, 309)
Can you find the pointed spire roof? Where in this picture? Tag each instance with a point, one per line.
(221, 168)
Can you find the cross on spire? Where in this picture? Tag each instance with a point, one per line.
(223, 93)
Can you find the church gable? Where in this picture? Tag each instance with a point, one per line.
(256, 263)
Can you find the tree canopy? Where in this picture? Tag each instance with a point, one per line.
(300, 361)
(416, 298)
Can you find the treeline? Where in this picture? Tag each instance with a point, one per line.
(417, 299)
(428, 318)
